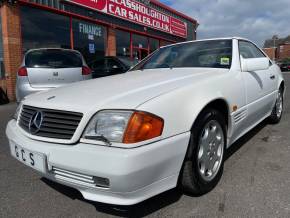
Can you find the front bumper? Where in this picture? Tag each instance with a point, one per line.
(135, 174)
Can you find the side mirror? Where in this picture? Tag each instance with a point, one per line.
(254, 64)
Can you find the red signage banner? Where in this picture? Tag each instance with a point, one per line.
(138, 13)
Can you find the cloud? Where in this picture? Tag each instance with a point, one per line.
(256, 20)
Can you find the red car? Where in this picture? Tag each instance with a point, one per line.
(285, 67)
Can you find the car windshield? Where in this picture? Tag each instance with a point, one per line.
(209, 54)
(53, 58)
(128, 61)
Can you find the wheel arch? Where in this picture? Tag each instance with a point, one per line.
(219, 104)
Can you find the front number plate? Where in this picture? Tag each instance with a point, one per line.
(29, 158)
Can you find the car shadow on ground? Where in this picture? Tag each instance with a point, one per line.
(139, 210)
(153, 204)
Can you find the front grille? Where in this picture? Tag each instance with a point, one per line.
(79, 178)
(55, 124)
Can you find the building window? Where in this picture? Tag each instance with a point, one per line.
(140, 41)
(164, 43)
(153, 44)
(42, 29)
(90, 39)
(123, 43)
(140, 47)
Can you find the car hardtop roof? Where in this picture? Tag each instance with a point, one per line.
(210, 39)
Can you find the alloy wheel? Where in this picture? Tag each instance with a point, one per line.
(210, 150)
(279, 104)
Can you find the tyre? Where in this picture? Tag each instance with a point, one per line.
(203, 165)
(277, 111)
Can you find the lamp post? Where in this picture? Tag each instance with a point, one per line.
(274, 38)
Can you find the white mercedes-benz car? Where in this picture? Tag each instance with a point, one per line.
(166, 123)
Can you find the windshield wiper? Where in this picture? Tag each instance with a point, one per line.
(99, 138)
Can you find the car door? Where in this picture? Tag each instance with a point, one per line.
(99, 68)
(258, 84)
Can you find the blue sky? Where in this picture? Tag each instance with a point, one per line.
(256, 20)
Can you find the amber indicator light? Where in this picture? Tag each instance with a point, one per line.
(143, 126)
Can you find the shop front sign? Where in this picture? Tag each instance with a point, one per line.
(138, 13)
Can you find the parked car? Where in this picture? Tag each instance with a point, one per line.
(285, 67)
(110, 65)
(165, 123)
(46, 68)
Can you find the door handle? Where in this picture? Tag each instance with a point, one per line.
(272, 77)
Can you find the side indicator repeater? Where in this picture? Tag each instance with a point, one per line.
(235, 108)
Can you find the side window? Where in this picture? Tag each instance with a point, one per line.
(99, 68)
(98, 65)
(113, 64)
(249, 50)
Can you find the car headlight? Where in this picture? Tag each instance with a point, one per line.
(124, 126)
(18, 109)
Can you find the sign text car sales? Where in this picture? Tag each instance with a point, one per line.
(137, 13)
